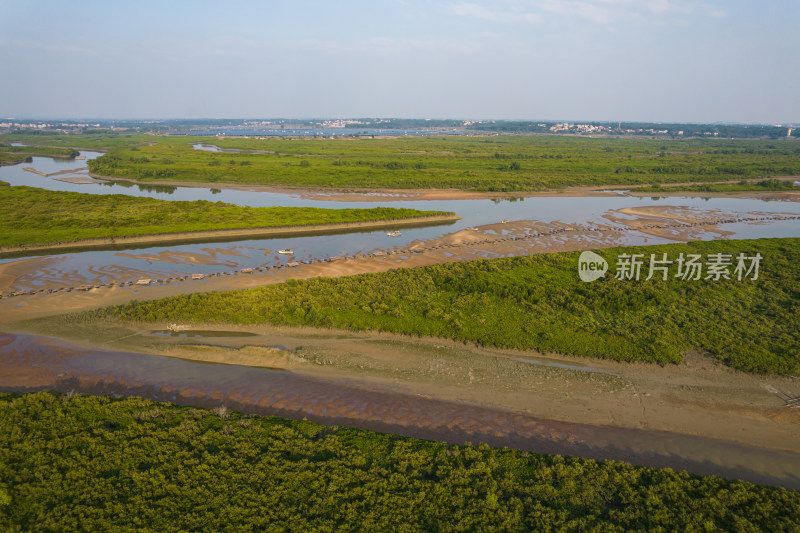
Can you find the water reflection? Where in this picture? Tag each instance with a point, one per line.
(159, 189)
(509, 199)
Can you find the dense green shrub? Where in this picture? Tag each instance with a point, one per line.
(82, 463)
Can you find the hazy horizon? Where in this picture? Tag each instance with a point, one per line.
(310, 119)
(666, 61)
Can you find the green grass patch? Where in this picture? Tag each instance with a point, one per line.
(539, 303)
(10, 155)
(86, 141)
(505, 163)
(30, 216)
(499, 163)
(87, 463)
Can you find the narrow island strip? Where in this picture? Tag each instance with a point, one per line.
(35, 220)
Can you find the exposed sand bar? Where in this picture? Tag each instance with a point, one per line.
(228, 234)
(30, 169)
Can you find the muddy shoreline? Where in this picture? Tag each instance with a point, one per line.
(698, 416)
(39, 363)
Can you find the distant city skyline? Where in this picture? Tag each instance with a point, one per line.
(675, 61)
(346, 121)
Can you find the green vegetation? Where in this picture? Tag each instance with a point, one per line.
(89, 141)
(31, 216)
(10, 155)
(86, 463)
(502, 163)
(497, 163)
(742, 186)
(539, 303)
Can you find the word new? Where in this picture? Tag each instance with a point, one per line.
(693, 267)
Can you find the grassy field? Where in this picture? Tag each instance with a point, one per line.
(87, 463)
(10, 155)
(88, 141)
(497, 163)
(539, 303)
(506, 163)
(31, 216)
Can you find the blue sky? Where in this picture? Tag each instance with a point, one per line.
(630, 60)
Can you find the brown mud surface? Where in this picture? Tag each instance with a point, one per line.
(35, 363)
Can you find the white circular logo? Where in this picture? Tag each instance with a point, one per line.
(591, 266)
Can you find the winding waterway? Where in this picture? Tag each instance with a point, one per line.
(56, 364)
(105, 266)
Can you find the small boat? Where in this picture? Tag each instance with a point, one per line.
(472, 229)
(286, 252)
(393, 234)
(504, 221)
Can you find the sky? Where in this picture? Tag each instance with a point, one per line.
(589, 60)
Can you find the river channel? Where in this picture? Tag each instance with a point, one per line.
(117, 265)
(33, 363)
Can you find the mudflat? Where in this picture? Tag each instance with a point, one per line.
(433, 379)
